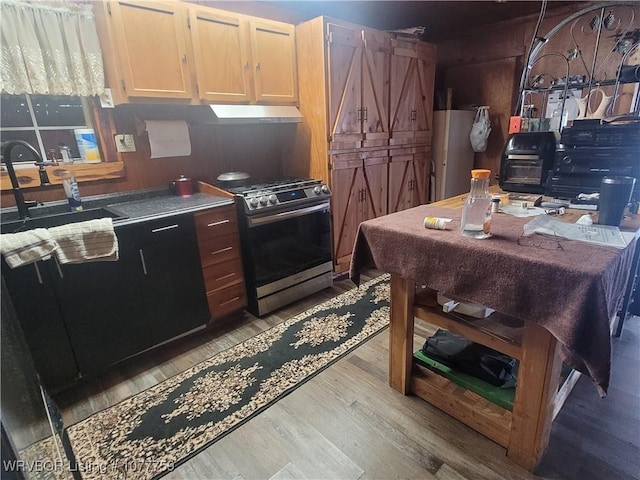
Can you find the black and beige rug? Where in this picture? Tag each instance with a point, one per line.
(154, 431)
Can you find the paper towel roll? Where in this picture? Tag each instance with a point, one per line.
(168, 138)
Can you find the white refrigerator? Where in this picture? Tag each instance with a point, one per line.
(452, 153)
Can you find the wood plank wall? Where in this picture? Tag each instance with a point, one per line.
(492, 57)
(484, 67)
(255, 149)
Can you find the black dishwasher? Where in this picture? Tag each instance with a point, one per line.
(154, 292)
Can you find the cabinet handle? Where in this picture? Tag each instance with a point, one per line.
(228, 275)
(364, 194)
(225, 249)
(246, 65)
(229, 301)
(35, 265)
(359, 114)
(365, 114)
(184, 59)
(144, 264)
(414, 115)
(221, 222)
(162, 229)
(257, 67)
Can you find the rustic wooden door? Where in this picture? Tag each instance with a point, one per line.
(376, 63)
(423, 94)
(408, 180)
(344, 57)
(274, 61)
(403, 82)
(375, 183)
(221, 55)
(348, 194)
(151, 48)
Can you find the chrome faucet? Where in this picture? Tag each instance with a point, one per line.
(21, 203)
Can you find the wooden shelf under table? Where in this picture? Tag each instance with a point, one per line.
(539, 393)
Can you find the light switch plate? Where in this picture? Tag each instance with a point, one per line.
(106, 99)
(125, 143)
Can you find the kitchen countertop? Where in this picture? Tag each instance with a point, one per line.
(162, 206)
(137, 205)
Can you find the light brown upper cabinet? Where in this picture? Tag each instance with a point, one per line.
(412, 77)
(177, 50)
(145, 49)
(358, 72)
(240, 59)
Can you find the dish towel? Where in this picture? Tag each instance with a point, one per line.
(26, 247)
(90, 241)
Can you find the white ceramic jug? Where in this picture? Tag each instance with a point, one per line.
(584, 105)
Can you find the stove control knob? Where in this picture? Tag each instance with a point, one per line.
(317, 190)
(325, 189)
(263, 201)
(272, 199)
(253, 203)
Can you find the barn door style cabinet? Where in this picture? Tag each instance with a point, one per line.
(180, 51)
(367, 99)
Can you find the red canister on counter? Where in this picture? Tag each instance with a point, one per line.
(183, 186)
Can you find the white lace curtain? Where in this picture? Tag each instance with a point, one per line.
(49, 48)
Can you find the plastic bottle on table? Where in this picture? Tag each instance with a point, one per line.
(476, 214)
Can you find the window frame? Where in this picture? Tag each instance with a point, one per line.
(37, 129)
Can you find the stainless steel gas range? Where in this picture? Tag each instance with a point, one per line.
(285, 231)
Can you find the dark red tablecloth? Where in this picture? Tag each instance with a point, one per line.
(574, 292)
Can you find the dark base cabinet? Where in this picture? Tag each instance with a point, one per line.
(79, 319)
(174, 294)
(31, 290)
(102, 308)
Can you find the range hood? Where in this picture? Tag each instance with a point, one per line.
(243, 114)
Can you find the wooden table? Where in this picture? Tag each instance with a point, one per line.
(539, 395)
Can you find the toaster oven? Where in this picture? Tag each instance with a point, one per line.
(526, 161)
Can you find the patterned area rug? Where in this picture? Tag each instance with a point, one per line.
(150, 433)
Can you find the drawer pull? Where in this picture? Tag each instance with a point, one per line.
(228, 275)
(221, 222)
(234, 299)
(222, 250)
(144, 264)
(162, 229)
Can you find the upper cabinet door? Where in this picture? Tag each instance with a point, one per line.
(425, 70)
(221, 55)
(412, 78)
(274, 61)
(345, 84)
(376, 63)
(151, 48)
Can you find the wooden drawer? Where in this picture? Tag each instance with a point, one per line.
(223, 274)
(227, 300)
(216, 222)
(219, 249)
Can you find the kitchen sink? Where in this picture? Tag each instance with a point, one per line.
(57, 219)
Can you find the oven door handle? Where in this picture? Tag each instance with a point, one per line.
(257, 221)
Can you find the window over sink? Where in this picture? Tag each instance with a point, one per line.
(53, 124)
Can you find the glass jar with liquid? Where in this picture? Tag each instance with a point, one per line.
(476, 213)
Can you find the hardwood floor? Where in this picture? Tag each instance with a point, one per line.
(347, 423)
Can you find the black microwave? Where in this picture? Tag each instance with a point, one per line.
(526, 161)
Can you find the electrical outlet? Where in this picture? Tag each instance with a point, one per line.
(125, 143)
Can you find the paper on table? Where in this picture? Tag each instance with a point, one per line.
(168, 138)
(599, 234)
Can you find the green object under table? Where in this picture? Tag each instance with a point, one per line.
(500, 396)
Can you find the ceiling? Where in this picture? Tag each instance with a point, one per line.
(442, 19)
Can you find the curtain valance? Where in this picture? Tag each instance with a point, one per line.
(50, 48)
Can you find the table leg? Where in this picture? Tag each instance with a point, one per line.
(401, 333)
(538, 381)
